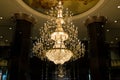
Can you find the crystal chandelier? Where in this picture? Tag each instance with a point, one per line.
(58, 40)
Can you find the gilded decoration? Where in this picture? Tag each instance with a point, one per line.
(76, 6)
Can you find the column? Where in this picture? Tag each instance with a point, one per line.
(98, 55)
(19, 60)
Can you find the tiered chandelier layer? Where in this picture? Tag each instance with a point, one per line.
(58, 40)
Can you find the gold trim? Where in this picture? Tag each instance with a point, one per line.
(95, 19)
(24, 16)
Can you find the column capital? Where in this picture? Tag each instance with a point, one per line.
(93, 19)
(24, 16)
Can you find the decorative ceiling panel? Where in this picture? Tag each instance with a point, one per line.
(76, 6)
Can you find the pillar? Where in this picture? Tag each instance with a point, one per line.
(19, 60)
(98, 55)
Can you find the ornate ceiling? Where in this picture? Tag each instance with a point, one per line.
(77, 7)
(108, 8)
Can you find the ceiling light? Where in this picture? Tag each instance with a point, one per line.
(115, 21)
(102, 25)
(30, 37)
(10, 28)
(116, 38)
(36, 37)
(1, 17)
(58, 42)
(1, 37)
(6, 40)
(84, 38)
(118, 6)
(107, 30)
(111, 42)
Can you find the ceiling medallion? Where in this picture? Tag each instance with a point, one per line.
(75, 6)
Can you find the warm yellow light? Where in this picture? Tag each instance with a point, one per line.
(59, 36)
(59, 56)
(59, 42)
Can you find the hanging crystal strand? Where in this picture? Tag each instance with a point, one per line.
(45, 28)
(76, 32)
(40, 49)
(66, 13)
(83, 49)
(47, 44)
(79, 46)
(51, 12)
(79, 49)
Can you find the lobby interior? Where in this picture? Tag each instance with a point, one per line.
(98, 25)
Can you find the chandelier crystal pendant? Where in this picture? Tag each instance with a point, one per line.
(58, 40)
